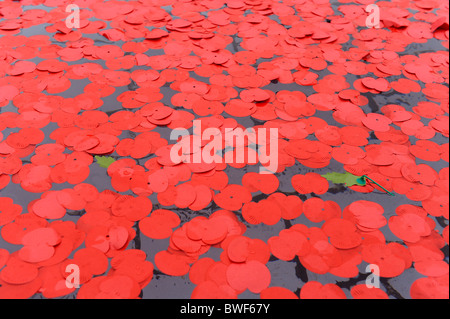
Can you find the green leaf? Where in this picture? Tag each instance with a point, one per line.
(345, 178)
(104, 161)
(361, 180)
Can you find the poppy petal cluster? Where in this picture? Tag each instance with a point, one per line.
(93, 113)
